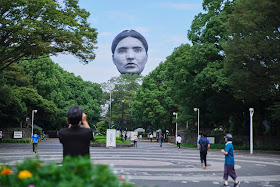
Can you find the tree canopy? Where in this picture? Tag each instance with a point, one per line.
(232, 65)
(44, 86)
(32, 28)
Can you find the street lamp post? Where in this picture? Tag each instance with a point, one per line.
(175, 114)
(197, 110)
(122, 120)
(251, 129)
(33, 111)
(111, 87)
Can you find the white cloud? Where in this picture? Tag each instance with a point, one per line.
(93, 20)
(106, 34)
(175, 39)
(152, 64)
(142, 30)
(182, 6)
(120, 16)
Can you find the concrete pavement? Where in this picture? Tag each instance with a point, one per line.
(150, 165)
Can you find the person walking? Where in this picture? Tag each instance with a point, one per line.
(229, 161)
(135, 138)
(160, 140)
(151, 137)
(178, 140)
(35, 140)
(203, 145)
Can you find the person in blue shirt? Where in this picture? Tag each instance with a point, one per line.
(203, 145)
(34, 140)
(229, 161)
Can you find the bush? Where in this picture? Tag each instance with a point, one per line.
(102, 139)
(144, 135)
(75, 171)
(99, 137)
(10, 140)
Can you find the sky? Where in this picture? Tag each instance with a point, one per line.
(164, 24)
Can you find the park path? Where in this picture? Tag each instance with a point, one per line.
(149, 164)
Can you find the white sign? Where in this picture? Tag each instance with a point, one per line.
(132, 133)
(111, 138)
(211, 140)
(17, 134)
(0, 134)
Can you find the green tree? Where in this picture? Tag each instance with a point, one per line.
(252, 59)
(101, 127)
(19, 98)
(64, 89)
(125, 89)
(32, 28)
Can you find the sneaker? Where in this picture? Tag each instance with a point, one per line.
(203, 165)
(236, 184)
(224, 185)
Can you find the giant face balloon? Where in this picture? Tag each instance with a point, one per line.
(129, 50)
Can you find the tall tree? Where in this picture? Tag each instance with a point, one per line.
(19, 98)
(252, 58)
(32, 28)
(64, 89)
(125, 89)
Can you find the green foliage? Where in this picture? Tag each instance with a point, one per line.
(231, 66)
(125, 88)
(252, 62)
(77, 171)
(64, 90)
(32, 28)
(102, 139)
(101, 127)
(19, 98)
(43, 85)
(10, 140)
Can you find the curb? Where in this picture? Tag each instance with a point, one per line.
(104, 145)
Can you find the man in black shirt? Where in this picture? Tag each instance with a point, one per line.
(76, 139)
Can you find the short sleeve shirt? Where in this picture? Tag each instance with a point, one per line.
(229, 158)
(203, 139)
(178, 139)
(35, 138)
(75, 140)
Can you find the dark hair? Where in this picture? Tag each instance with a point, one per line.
(128, 33)
(74, 115)
(203, 134)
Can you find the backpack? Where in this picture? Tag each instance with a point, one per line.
(203, 145)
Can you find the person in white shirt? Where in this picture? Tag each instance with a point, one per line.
(135, 140)
(178, 140)
(151, 137)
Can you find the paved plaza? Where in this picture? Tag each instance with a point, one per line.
(150, 165)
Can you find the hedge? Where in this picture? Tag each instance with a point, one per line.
(75, 171)
(10, 140)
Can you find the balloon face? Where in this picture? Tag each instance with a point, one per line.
(130, 56)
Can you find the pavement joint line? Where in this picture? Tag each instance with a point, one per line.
(274, 178)
(169, 159)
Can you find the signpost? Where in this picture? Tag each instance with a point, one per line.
(211, 140)
(17, 134)
(111, 138)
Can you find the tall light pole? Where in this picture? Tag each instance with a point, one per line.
(197, 110)
(251, 129)
(111, 87)
(122, 120)
(33, 111)
(175, 114)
